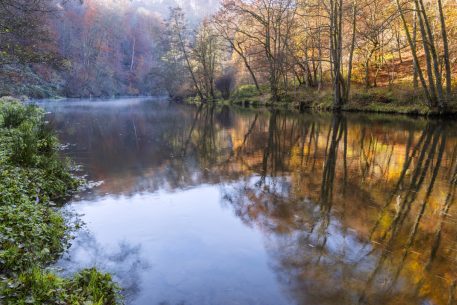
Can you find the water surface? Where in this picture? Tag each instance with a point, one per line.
(214, 205)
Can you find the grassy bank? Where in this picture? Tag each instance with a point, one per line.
(400, 100)
(33, 231)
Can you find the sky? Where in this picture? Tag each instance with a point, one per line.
(195, 9)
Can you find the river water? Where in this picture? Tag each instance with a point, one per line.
(219, 205)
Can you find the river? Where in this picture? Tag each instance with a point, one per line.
(219, 205)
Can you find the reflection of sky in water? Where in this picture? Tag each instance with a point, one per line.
(184, 246)
(175, 247)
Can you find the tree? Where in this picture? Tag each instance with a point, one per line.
(228, 25)
(432, 85)
(178, 34)
(24, 31)
(375, 34)
(335, 13)
(206, 54)
(269, 25)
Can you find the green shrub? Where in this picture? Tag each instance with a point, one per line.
(32, 144)
(245, 91)
(42, 287)
(94, 286)
(13, 113)
(34, 233)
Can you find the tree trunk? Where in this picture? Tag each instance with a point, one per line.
(132, 61)
(351, 52)
(336, 19)
(189, 67)
(415, 73)
(414, 53)
(429, 41)
(251, 72)
(367, 74)
(446, 50)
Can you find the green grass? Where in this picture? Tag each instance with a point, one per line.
(33, 231)
(400, 99)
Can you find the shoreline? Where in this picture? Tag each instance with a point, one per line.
(308, 101)
(360, 102)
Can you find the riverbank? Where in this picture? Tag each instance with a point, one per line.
(374, 100)
(33, 230)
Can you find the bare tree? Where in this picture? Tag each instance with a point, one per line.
(269, 24)
(432, 85)
(228, 26)
(206, 53)
(177, 29)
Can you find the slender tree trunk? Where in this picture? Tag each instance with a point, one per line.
(319, 51)
(314, 66)
(415, 73)
(189, 67)
(424, 22)
(414, 53)
(248, 66)
(338, 44)
(336, 14)
(132, 61)
(351, 52)
(428, 60)
(367, 73)
(446, 50)
(397, 36)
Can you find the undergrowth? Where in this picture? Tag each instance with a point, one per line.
(33, 231)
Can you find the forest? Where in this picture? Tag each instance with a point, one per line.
(189, 152)
(323, 53)
(75, 48)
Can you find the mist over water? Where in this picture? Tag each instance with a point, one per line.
(220, 205)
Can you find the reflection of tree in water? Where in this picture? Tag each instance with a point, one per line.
(355, 209)
(318, 256)
(335, 134)
(430, 149)
(147, 147)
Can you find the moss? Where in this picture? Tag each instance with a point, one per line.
(33, 232)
